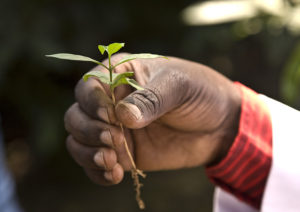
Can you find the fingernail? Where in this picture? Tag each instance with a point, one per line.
(108, 176)
(134, 110)
(102, 114)
(99, 159)
(106, 138)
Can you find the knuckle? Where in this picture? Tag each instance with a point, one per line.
(180, 81)
(79, 88)
(81, 130)
(67, 117)
(68, 142)
(175, 92)
(73, 150)
(91, 132)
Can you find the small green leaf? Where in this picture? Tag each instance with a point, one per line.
(102, 48)
(134, 84)
(114, 47)
(117, 77)
(139, 56)
(122, 79)
(67, 56)
(103, 77)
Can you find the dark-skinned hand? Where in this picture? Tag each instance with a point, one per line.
(186, 116)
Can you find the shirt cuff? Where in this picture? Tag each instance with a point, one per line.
(244, 170)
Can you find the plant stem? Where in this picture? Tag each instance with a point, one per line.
(127, 148)
(110, 69)
(134, 171)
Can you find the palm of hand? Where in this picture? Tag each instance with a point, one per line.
(159, 147)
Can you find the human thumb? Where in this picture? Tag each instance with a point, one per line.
(162, 94)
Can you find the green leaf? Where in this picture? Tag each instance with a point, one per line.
(103, 77)
(102, 48)
(139, 56)
(122, 79)
(134, 84)
(119, 79)
(66, 56)
(114, 47)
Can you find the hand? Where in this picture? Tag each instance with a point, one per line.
(187, 116)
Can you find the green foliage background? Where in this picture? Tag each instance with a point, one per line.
(35, 91)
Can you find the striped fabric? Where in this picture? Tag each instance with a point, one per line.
(244, 171)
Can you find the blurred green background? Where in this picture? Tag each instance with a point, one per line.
(260, 48)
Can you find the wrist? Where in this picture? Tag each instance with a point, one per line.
(229, 128)
(244, 170)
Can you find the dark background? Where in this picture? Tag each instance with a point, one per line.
(35, 91)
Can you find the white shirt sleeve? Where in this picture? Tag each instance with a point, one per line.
(282, 192)
(226, 202)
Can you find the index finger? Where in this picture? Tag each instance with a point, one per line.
(94, 101)
(93, 94)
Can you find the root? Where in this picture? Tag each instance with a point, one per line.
(135, 173)
(135, 176)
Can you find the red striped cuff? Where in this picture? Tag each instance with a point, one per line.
(244, 170)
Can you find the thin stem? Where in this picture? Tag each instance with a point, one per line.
(113, 96)
(110, 68)
(101, 64)
(126, 143)
(110, 79)
(127, 148)
(134, 171)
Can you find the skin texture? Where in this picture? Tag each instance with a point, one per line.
(187, 116)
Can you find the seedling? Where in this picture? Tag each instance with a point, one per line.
(113, 80)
